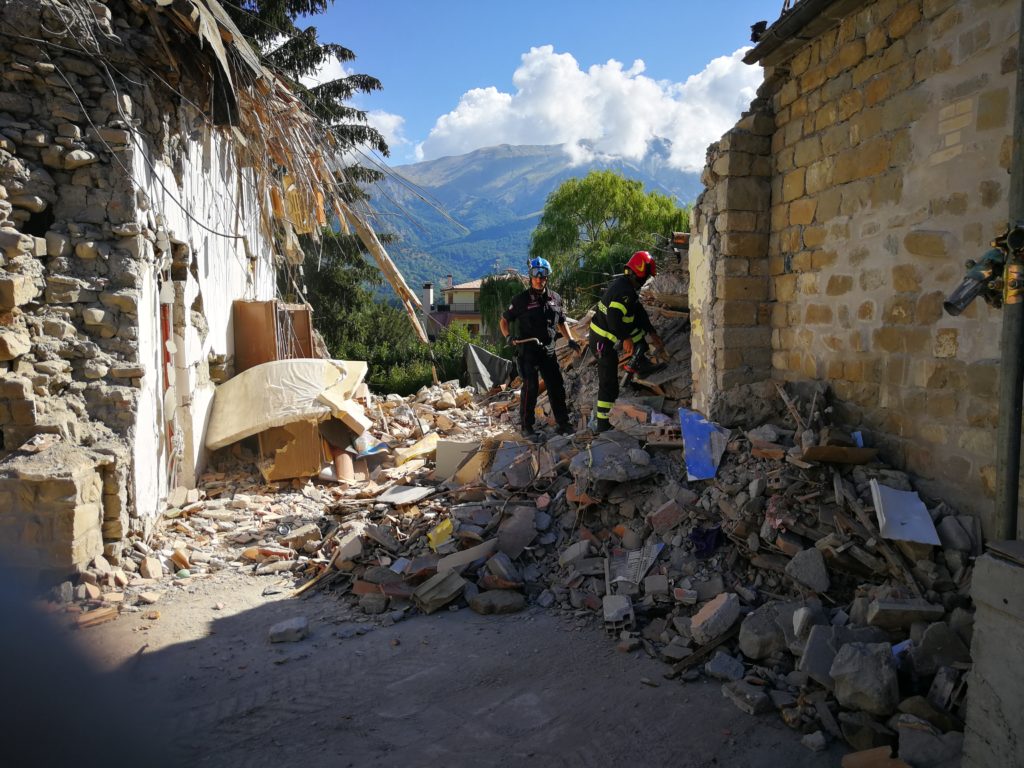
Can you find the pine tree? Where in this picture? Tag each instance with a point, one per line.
(294, 52)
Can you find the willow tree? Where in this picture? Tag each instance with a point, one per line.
(590, 226)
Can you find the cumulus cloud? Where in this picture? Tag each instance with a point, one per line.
(391, 126)
(331, 69)
(608, 110)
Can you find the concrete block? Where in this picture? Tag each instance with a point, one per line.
(900, 614)
(748, 698)
(819, 653)
(497, 601)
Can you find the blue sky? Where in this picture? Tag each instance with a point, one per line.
(598, 76)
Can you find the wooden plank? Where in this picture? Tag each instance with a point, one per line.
(896, 565)
(704, 651)
(835, 454)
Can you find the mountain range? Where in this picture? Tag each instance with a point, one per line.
(472, 215)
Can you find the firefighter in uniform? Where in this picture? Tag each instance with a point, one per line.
(540, 315)
(620, 317)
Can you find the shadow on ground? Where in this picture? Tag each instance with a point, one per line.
(453, 689)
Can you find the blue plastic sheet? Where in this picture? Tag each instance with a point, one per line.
(703, 445)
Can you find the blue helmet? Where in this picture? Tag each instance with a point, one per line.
(540, 268)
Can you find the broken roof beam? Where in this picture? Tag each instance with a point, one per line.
(369, 238)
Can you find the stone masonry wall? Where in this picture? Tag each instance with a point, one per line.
(102, 176)
(729, 310)
(890, 155)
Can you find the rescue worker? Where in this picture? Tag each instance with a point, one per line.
(540, 315)
(620, 317)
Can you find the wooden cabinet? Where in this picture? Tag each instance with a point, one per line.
(270, 330)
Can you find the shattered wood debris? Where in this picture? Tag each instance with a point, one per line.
(771, 576)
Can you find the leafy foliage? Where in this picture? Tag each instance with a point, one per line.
(496, 293)
(355, 326)
(590, 226)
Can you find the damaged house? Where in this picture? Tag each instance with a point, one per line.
(838, 216)
(837, 219)
(151, 173)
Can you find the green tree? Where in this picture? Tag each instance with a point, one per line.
(356, 325)
(590, 226)
(295, 52)
(496, 292)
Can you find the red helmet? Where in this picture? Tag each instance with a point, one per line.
(642, 265)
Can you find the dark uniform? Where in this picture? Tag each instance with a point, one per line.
(619, 315)
(539, 315)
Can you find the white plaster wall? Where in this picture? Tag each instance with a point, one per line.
(214, 212)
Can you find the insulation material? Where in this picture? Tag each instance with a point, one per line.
(277, 393)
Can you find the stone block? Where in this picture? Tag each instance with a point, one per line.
(16, 290)
(807, 568)
(760, 633)
(928, 243)
(743, 193)
(715, 618)
(13, 343)
(742, 288)
(865, 678)
(289, 631)
(724, 667)
(750, 245)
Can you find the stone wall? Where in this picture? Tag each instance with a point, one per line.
(729, 309)
(889, 155)
(126, 230)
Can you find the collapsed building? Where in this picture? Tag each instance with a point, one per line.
(835, 219)
(151, 173)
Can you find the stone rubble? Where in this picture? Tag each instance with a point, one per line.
(771, 577)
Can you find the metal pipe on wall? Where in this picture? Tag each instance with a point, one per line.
(1011, 380)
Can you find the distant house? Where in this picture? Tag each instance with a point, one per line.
(458, 305)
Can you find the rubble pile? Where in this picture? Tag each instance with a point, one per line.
(771, 573)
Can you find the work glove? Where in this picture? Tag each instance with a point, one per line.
(574, 345)
(509, 340)
(627, 346)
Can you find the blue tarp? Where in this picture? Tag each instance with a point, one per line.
(703, 444)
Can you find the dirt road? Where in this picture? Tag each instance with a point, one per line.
(454, 688)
